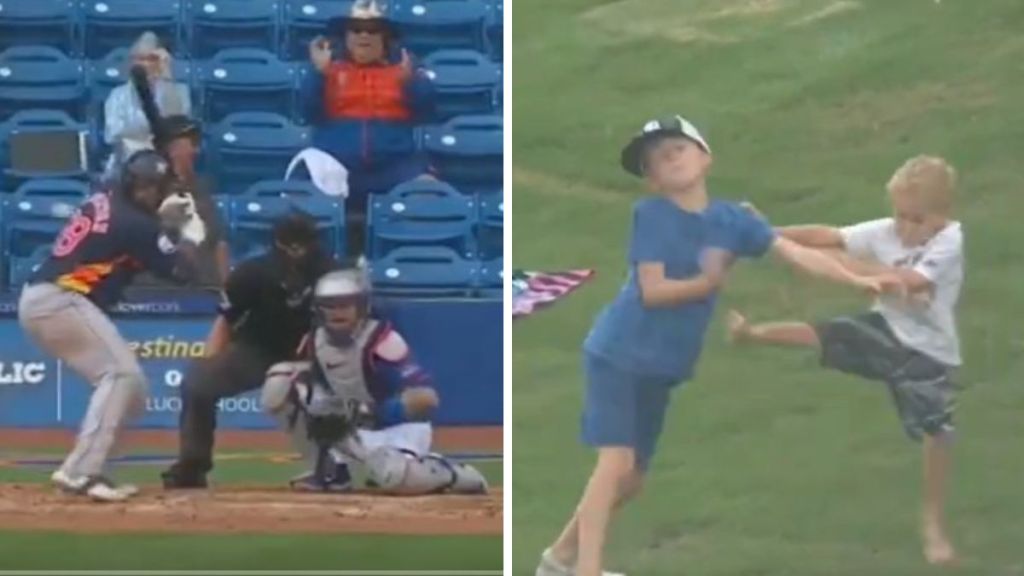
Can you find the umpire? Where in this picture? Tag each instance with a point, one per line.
(264, 314)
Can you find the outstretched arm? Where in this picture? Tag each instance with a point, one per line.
(822, 265)
(813, 235)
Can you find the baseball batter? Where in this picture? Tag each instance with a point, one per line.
(360, 399)
(107, 241)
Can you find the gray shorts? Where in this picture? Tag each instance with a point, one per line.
(921, 387)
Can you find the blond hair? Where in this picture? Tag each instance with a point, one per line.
(929, 179)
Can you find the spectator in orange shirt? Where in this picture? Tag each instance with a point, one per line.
(365, 104)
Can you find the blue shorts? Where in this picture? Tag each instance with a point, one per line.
(623, 409)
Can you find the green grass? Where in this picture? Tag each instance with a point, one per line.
(66, 551)
(768, 465)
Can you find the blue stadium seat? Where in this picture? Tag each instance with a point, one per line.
(424, 271)
(216, 25)
(50, 196)
(40, 77)
(496, 30)
(491, 280)
(422, 212)
(23, 267)
(306, 19)
(51, 23)
(253, 214)
(247, 147)
(429, 25)
(111, 24)
(35, 121)
(465, 80)
(490, 234)
(247, 80)
(467, 152)
(34, 216)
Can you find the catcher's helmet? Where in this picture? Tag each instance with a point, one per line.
(334, 293)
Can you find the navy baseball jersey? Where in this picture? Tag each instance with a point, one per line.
(103, 246)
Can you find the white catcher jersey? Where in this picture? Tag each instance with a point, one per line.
(926, 326)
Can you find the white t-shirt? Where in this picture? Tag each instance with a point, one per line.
(926, 326)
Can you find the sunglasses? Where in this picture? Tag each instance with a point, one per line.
(365, 29)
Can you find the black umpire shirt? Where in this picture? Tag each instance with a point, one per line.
(262, 311)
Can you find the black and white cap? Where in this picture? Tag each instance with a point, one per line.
(633, 153)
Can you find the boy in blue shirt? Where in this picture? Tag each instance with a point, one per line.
(649, 338)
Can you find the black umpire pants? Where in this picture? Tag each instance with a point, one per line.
(238, 368)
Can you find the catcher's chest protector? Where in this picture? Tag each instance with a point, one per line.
(345, 369)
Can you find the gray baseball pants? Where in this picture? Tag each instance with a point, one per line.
(68, 326)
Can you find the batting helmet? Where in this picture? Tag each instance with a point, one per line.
(146, 168)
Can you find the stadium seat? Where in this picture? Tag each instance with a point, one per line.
(23, 267)
(491, 278)
(429, 25)
(467, 152)
(422, 212)
(34, 216)
(40, 77)
(247, 80)
(496, 30)
(490, 234)
(111, 24)
(423, 271)
(51, 23)
(465, 80)
(247, 147)
(37, 121)
(253, 214)
(306, 19)
(42, 196)
(216, 25)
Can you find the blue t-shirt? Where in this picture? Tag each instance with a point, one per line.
(666, 341)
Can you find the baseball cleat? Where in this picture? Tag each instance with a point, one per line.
(340, 480)
(68, 483)
(103, 489)
(549, 566)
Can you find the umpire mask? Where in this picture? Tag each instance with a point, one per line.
(341, 305)
(297, 246)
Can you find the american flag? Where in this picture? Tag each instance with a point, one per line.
(532, 291)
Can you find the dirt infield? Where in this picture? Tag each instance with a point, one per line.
(249, 510)
(234, 509)
(456, 439)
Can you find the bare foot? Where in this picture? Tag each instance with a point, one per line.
(938, 551)
(737, 327)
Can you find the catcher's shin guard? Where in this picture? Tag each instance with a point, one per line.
(403, 472)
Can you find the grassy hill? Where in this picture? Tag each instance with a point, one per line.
(770, 466)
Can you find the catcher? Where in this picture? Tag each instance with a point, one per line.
(360, 399)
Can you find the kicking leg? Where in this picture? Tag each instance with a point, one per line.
(798, 334)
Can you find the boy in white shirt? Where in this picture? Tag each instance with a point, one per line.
(909, 342)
